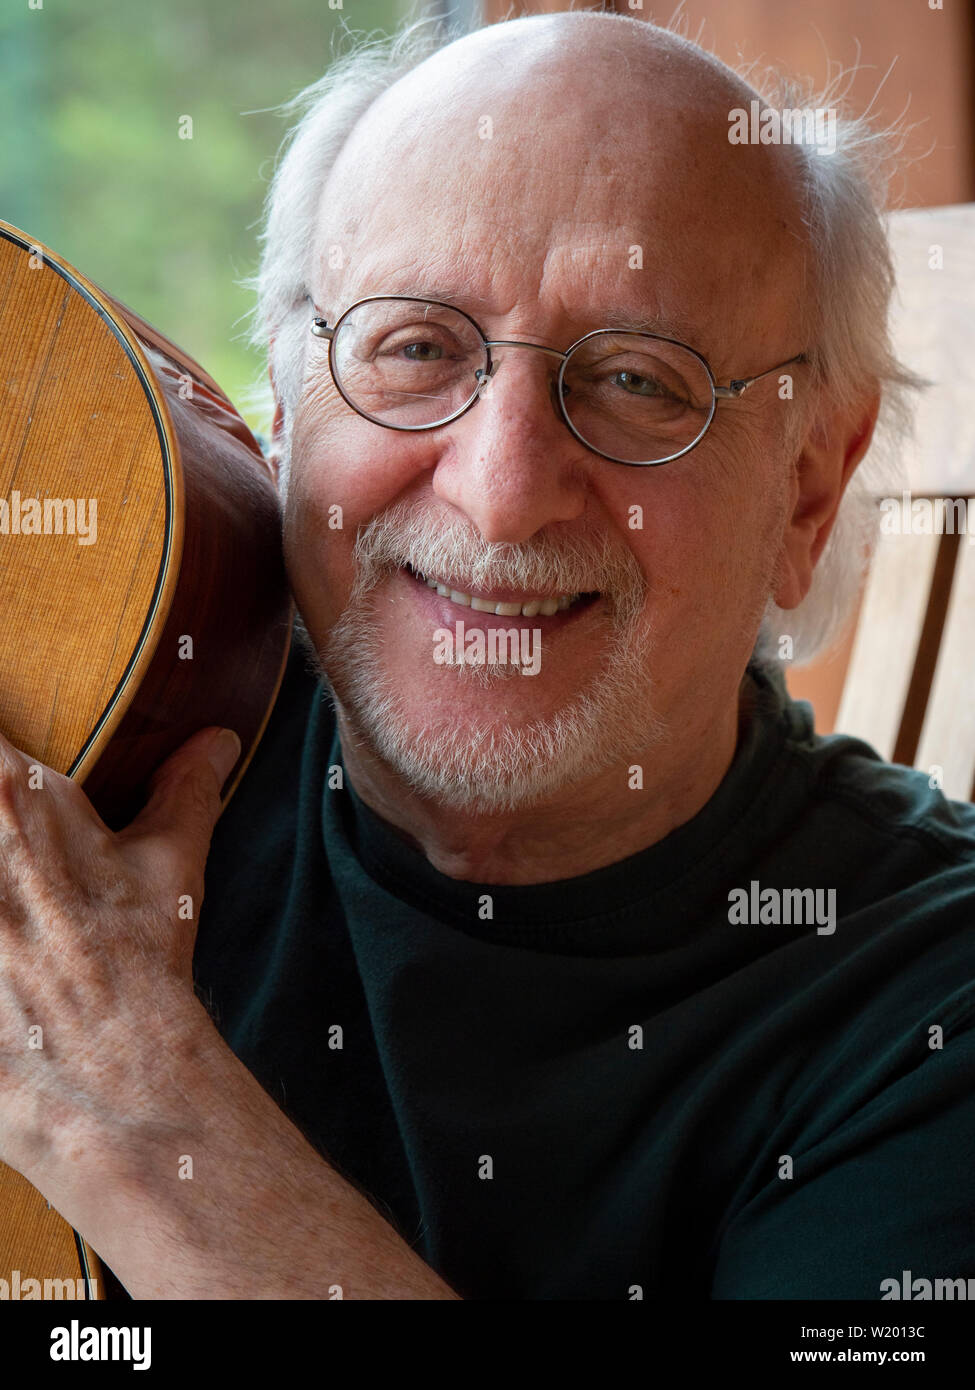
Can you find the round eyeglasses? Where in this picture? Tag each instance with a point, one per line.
(631, 397)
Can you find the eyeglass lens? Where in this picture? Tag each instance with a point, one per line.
(409, 363)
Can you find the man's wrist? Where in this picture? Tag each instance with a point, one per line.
(158, 1089)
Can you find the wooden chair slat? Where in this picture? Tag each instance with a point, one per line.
(886, 641)
(948, 734)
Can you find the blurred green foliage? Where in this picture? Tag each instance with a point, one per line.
(92, 163)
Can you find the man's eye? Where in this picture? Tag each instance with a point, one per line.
(423, 352)
(636, 385)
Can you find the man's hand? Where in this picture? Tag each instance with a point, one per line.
(118, 1099)
(96, 944)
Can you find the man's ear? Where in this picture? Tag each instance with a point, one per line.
(277, 426)
(827, 461)
(274, 461)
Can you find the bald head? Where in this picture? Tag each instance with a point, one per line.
(566, 140)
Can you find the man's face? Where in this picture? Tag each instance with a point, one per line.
(541, 222)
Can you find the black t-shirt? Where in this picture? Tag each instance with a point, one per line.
(640, 1081)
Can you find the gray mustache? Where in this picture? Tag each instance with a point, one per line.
(576, 564)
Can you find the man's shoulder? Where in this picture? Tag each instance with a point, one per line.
(890, 801)
(264, 816)
(832, 813)
(842, 777)
(269, 834)
(886, 808)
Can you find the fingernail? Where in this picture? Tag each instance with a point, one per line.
(223, 752)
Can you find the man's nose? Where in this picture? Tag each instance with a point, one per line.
(515, 466)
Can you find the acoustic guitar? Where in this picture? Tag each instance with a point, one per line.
(142, 589)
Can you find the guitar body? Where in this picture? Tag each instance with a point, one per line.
(142, 587)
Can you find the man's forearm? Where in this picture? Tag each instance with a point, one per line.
(212, 1193)
(133, 1117)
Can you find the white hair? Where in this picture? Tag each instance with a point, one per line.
(845, 198)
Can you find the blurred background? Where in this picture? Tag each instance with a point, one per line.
(94, 94)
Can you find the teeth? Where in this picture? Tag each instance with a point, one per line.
(529, 609)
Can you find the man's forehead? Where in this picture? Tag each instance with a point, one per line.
(639, 313)
(572, 280)
(642, 216)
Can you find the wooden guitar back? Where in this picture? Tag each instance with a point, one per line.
(142, 589)
(77, 425)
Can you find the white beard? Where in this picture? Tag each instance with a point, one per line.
(490, 767)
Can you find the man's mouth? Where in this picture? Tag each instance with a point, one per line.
(503, 603)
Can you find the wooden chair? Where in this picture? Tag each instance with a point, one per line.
(909, 687)
(905, 679)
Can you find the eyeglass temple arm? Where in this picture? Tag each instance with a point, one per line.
(737, 388)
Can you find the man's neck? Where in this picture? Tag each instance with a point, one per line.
(586, 827)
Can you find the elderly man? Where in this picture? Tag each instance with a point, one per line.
(576, 963)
